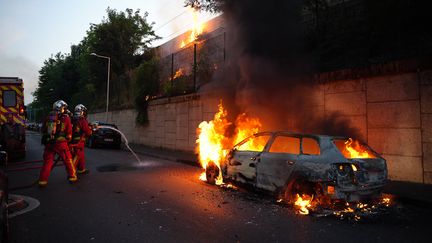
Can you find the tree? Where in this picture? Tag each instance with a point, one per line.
(123, 36)
(207, 5)
(79, 77)
(146, 86)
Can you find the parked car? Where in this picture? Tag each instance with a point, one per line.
(102, 135)
(325, 167)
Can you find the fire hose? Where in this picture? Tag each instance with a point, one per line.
(31, 168)
(55, 164)
(56, 160)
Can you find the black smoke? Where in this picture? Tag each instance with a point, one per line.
(269, 69)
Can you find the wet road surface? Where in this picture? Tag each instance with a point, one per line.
(163, 201)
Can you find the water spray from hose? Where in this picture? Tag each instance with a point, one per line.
(125, 139)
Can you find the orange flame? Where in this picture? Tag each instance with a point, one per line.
(178, 74)
(302, 204)
(197, 28)
(212, 141)
(245, 127)
(355, 150)
(213, 144)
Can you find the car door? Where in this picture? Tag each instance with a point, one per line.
(277, 163)
(246, 155)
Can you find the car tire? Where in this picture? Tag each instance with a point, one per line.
(212, 173)
(299, 186)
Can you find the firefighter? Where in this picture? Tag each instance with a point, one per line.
(80, 131)
(57, 132)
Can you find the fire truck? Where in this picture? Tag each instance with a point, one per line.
(12, 117)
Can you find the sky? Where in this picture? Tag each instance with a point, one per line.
(33, 30)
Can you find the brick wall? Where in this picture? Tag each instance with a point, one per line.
(393, 114)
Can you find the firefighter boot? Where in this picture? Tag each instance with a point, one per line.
(42, 183)
(83, 172)
(72, 180)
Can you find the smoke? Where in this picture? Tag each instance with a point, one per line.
(269, 67)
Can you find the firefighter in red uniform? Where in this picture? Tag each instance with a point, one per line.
(57, 132)
(80, 131)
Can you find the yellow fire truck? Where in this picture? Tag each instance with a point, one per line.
(12, 116)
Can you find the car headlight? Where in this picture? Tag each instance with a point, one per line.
(343, 169)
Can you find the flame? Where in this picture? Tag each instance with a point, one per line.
(355, 150)
(246, 127)
(386, 201)
(358, 210)
(213, 144)
(212, 141)
(202, 177)
(178, 74)
(302, 204)
(197, 27)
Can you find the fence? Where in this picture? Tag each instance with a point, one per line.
(186, 70)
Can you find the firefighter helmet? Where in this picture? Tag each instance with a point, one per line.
(80, 110)
(60, 106)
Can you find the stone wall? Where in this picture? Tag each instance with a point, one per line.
(172, 121)
(393, 114)
(426, 122)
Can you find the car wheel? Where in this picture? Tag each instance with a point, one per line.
(212, 173)
(302, 188)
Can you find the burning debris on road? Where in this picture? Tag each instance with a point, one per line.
(342, 210)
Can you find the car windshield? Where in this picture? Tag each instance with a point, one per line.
(353, 149)
(253, 143)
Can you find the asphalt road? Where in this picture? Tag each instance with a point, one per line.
(163, 201)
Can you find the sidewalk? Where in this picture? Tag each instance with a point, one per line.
(414, 192)
(406, 191)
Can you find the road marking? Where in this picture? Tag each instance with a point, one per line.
(32, 204)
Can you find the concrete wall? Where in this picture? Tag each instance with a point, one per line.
(172, 121)
(426, 123)
(393, 114)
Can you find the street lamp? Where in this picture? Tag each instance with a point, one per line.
(108, 79)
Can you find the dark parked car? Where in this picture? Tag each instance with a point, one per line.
(103, 135)
(287, 164)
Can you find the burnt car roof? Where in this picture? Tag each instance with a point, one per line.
(328, 149)
(300, 134)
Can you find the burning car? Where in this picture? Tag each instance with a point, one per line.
(292, 164)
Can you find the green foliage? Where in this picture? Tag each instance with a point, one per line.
(178, 86)
(207, 5)
(145, 86)
(79, 77)
(204, 69)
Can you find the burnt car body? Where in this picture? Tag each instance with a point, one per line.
(102, 136)
(288, 163)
